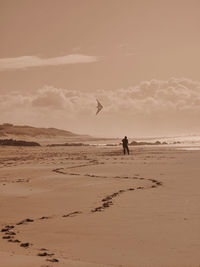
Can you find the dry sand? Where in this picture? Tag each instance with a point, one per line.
(93, 206)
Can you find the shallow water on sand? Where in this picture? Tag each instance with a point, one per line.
(189, 148)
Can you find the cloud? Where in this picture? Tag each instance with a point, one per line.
(49, 97)
(34, 61)
(153, 108)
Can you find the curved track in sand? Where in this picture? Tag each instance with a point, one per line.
(11, 232)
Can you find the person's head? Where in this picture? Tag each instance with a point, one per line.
(125, 137)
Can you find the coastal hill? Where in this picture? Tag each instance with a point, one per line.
(42, 135)
(17, 130)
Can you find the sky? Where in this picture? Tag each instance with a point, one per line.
(140, 58)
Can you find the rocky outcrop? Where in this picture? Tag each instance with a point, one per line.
(68, 144)
(11, 142)
(134, 143)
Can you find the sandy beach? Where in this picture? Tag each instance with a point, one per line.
(82, 82)
(93, 206)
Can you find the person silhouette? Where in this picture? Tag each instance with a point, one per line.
(125, 145)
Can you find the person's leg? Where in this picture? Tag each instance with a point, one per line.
(124, 150)
(127, 150)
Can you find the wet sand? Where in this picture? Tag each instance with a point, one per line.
(93, 206)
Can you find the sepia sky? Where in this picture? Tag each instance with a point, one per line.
(140, 58)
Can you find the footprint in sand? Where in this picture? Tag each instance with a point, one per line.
(44, 254)
(14, 241)
(25, 221)
(52, 260)
(7, 228)
(72, 214)
(7, 237)
(44, 218)
(25, 245)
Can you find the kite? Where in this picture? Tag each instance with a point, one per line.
(99, 107)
